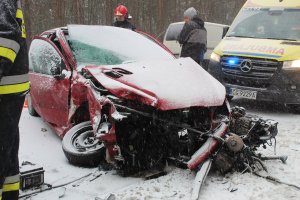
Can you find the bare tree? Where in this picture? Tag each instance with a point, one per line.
(152, 16)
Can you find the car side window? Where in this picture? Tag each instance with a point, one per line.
(43, 56)
(173, 31)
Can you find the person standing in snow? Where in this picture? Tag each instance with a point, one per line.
(14, 85)
(193, 36)
(121, 18)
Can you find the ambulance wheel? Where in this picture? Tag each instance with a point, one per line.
(81, 147)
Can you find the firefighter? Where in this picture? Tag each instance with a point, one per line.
(121, 18)
(14, 85)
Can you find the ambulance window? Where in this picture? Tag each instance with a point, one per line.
(267, 24)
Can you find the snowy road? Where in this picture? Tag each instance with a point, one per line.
(40, 145)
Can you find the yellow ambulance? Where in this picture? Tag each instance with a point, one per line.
(259, 58)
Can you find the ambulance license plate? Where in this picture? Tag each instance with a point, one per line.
(247, 94)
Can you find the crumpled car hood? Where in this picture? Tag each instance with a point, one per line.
(166, 85)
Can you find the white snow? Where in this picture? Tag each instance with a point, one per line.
(40, 145)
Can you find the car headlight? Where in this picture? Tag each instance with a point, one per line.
(215, 57)
(291, 64)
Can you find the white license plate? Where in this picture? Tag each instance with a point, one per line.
(247, 94)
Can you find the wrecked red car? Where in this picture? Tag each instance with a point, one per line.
(117, 96)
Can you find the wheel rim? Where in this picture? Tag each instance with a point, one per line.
(84, 141)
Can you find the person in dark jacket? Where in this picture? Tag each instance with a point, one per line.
(121, 18)
(193, 36)
(14, 85)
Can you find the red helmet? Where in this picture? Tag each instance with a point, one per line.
(121, 11)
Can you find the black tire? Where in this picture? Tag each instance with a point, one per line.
(81, 151)
(31, 109)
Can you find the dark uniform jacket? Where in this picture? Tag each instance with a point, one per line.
(193, 39)
(124, 24)
(13, 49)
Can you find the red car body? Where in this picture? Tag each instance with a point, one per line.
(66, 96)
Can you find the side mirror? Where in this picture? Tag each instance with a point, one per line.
(225, 30)
(56, 73)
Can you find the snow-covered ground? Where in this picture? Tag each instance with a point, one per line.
(40, 145)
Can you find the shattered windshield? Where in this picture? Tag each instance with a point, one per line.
(267, 24)
(105, 45)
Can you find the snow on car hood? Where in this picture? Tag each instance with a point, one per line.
(167, 85)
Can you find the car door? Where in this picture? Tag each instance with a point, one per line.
(49, 93)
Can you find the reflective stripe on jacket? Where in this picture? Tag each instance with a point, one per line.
(19, 15)
(9, 49)
(14, 84)
(11, 183)
(13, 49)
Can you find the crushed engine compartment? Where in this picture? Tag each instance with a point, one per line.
(148, 139)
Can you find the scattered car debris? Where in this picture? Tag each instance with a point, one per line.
(43, 129)
(200, 178)
(46, 187)
(275, 180)
(62, 192)
(107, 197)
(238, 150)
(31, 175)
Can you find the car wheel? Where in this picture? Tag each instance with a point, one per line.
(31, 109)
(81, 147)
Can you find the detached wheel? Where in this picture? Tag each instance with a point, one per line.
(31, 109)
(81, 147)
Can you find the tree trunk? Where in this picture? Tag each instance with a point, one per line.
(152, 16)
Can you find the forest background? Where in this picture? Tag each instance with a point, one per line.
(151, 16)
